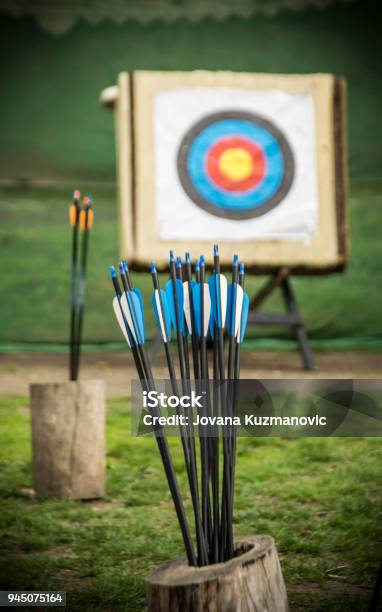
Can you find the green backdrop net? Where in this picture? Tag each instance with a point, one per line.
(55, 136)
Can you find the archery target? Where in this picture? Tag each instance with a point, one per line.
(235, 164)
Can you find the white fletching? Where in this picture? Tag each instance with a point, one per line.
(223, 297)
(207, 307)
(120, 319)
(127, 315)
(239, 308)
(186, 306)
(160, 315)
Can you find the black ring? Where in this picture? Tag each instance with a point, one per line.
(248, 213)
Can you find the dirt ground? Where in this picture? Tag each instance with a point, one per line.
(19, 370)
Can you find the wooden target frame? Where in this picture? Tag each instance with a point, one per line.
(133, 99)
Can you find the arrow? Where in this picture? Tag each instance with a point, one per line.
(242, 319)
(117, 307)
(218, 292)
(234, 309)
(133, 313)
(163, 317)
(86, 223)
(202, 311)
(74, 214)
(192, 308)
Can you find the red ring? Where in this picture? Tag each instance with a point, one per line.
(222, 181)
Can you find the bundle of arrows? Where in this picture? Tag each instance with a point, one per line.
(80, 219)
(197, 314)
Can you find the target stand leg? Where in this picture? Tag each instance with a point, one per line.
(280, 279)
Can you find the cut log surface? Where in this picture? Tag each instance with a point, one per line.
(250, 582)
(68, 439)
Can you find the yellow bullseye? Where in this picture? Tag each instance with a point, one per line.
(236, 163)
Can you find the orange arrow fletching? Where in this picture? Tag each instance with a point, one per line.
(73, 215)
(86, 215)
(90, 218)
(83, 216)
(86, 219)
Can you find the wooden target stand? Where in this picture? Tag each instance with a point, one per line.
(280, 279)
(134, 101)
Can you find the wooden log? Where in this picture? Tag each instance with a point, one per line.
(250, 582)
(68, 439)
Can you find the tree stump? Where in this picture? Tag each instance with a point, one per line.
(68, 439)
(250, 582)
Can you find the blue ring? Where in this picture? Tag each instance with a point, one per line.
(252, 198)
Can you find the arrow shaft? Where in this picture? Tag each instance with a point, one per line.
(81, 302)
(234, 400)
(202, 547)
(173, 486)
(230, 410)
(225, 527)
(73, 302)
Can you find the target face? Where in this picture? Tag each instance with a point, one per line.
(235, 165)
(232, 164)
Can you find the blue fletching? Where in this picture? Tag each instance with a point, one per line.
(138, 293)
(244, 316)
(166, 313)
(112, 271)
(137, 315)
(171, 303)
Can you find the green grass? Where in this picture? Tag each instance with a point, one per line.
(319, 498)
(35, 273)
